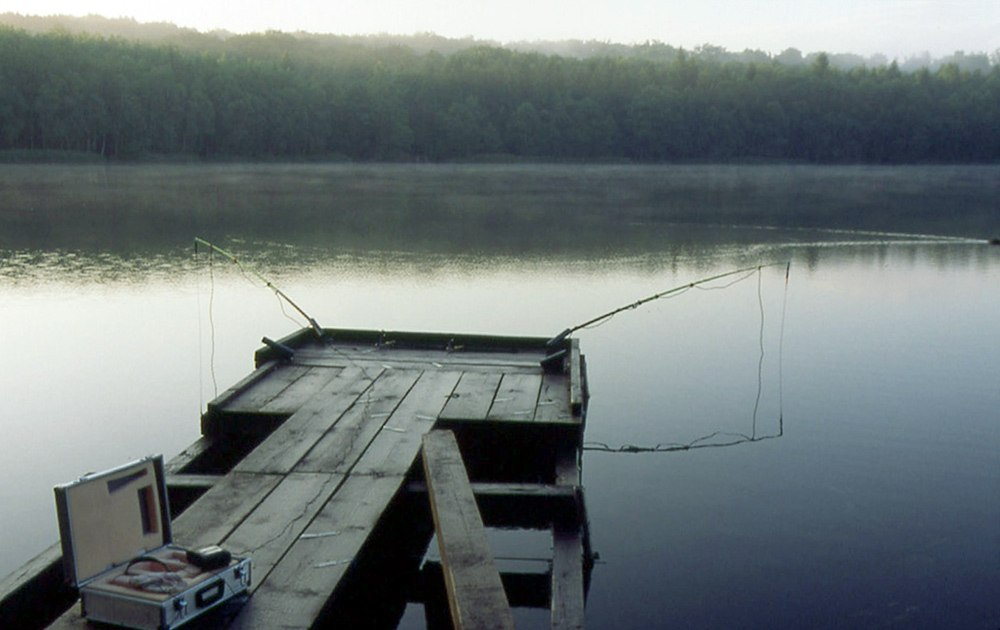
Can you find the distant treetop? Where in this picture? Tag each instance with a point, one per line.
(422, 43)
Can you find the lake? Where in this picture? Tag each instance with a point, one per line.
(867, 494)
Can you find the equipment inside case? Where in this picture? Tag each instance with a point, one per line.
(117, 548)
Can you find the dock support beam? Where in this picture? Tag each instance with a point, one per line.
(476, 596)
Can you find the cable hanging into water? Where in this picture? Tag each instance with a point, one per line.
(667, 447)
(245, 269)
(734, 438)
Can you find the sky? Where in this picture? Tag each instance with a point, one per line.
(896, 28)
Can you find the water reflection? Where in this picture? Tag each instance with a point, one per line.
(880, 493)
(646, 253)
(511, 210)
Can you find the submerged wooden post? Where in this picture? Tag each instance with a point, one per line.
(476, 596)
(568, 598)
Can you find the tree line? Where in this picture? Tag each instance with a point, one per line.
(277, 96)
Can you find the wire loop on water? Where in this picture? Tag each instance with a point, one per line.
(704, 441)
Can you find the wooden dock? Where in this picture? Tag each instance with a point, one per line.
(312, 467)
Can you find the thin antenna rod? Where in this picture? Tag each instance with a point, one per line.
(657, 296)
(312, 322)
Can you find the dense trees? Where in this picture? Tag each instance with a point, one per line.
(278, 96)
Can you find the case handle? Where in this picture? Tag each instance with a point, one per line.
(210, 594)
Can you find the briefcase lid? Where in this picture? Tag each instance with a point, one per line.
(109, 518)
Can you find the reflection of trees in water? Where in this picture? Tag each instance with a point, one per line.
(518, 210)
(137, 222)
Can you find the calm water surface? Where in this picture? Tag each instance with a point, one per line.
(873, 503)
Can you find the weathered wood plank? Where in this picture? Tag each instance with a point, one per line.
(395, 448)
(220, 510)
(72, 619)
(427, 365)
(345, 442)
(516, 397)
(189, 455)
(575, 377)
(567, 579)
(294, 593)
(567, 471)
(340, 355)
(293, 397)
(42, 562)
(476, 597)
(36, 591)
(553, 401)
(472, 397)
(265, 389)
(192, 481)
(283, 449)
(276, 523)
(567, 552)
(496, 489)
(246, 382)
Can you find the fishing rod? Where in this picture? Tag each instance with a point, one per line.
(312, 322)
(634, 305)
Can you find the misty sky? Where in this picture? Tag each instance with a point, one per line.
(896, 28)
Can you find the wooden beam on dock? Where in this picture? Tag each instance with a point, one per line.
(192, 482)
(567, 554)
(292, 440)
(576, 392)
(539, 490)
(295, 592)
(567, 578)
(476, 597)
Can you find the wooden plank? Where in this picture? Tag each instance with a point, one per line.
(189, 455)
(575, 377)
(516, 397)
(28, 571)
(293, 397)
(343, 445)
(553, 401)
(283, 449)
(434, 341)
(567, 579)
(567, 552)
(195, 482)
(294, 593)
(35, 592)
(219, 511)
(396, 447)
(567, 471)
(346, 354)
(244, 383)
(266, 389)
(476, 597)
(72, 619)
(276, 523)
(496, 489)
(472, 397)
(430, 364)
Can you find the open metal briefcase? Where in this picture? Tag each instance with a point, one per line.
(117, 549)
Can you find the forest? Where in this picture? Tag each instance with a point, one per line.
(278, 96)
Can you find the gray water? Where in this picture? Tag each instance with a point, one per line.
(872, 375)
